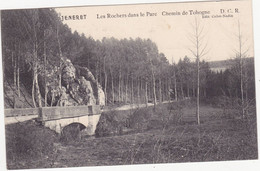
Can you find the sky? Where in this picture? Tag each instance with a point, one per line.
(172, 33)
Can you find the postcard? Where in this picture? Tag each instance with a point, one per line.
(129, 84)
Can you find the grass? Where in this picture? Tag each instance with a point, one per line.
(168, 134)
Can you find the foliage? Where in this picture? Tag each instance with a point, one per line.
(111, 123)
(123, 67)
(139, 120)
(26, 141)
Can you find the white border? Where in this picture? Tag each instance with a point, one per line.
(17, 4)
(209, 166)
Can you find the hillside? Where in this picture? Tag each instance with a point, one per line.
(79, 88)
(11, 97)
(222, 65)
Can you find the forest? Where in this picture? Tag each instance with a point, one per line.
(128, 70)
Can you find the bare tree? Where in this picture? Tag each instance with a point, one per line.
(198, 50)
(175, 80)
(35, 28)
(45, 71)
(60, 53)
(241, 53)
(112, 84)
(153, 81)
(146, 93)
(105, 75)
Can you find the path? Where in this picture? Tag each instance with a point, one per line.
(132, 106)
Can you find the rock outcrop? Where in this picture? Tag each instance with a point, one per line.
(79, 87)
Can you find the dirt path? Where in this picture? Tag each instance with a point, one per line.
(132, 106)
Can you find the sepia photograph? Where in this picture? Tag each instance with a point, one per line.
(129, 84)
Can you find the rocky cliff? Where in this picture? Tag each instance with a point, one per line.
(78, 87)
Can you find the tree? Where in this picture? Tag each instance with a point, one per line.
(199, 49)
(241, 54)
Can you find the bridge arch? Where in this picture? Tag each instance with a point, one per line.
(88, 121)
(72, 132)
(56, 118)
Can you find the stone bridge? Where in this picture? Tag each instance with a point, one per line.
(57, 118)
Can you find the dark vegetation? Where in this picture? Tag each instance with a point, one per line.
(167, 134)
(28, 142)
(129, 70)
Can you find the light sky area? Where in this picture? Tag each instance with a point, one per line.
(171, 33)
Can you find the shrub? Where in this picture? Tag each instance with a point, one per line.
(110, 123)
(140, 118)
(161, 117)
(29, 141)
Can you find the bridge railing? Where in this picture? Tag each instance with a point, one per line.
(21, 112)
(54, 113)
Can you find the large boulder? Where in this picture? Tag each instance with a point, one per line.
(97, 89)
(68, 73)
(79, 86)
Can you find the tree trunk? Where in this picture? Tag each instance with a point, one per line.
(193, 89)
(96, 71)
(36, 84)
(33, 89)
(14, 80)
(246, 93)
(182, 92)
(18, 70)
(45, 72)
(146, 95)
(132, 89)
(119, 83)
(60, 53)
(112, 86)
(198, 92)
(154, 90)
(105, 74)
(35, 46)
(241, 70)
(38, 90)
(241, 87)
(15, 83)
(175, 89)
(138, 89)
(168, 89)
(160, 90)
(148, 91)
(100, 72)
(188, 89)
(126, 86)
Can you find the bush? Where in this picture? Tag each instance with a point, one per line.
(161, 117)
(224, 102)
(140, 118)
(110, 123)
(168, 115)
(28, 141)
(231, 106)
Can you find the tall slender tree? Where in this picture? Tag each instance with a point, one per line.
(199, 49)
